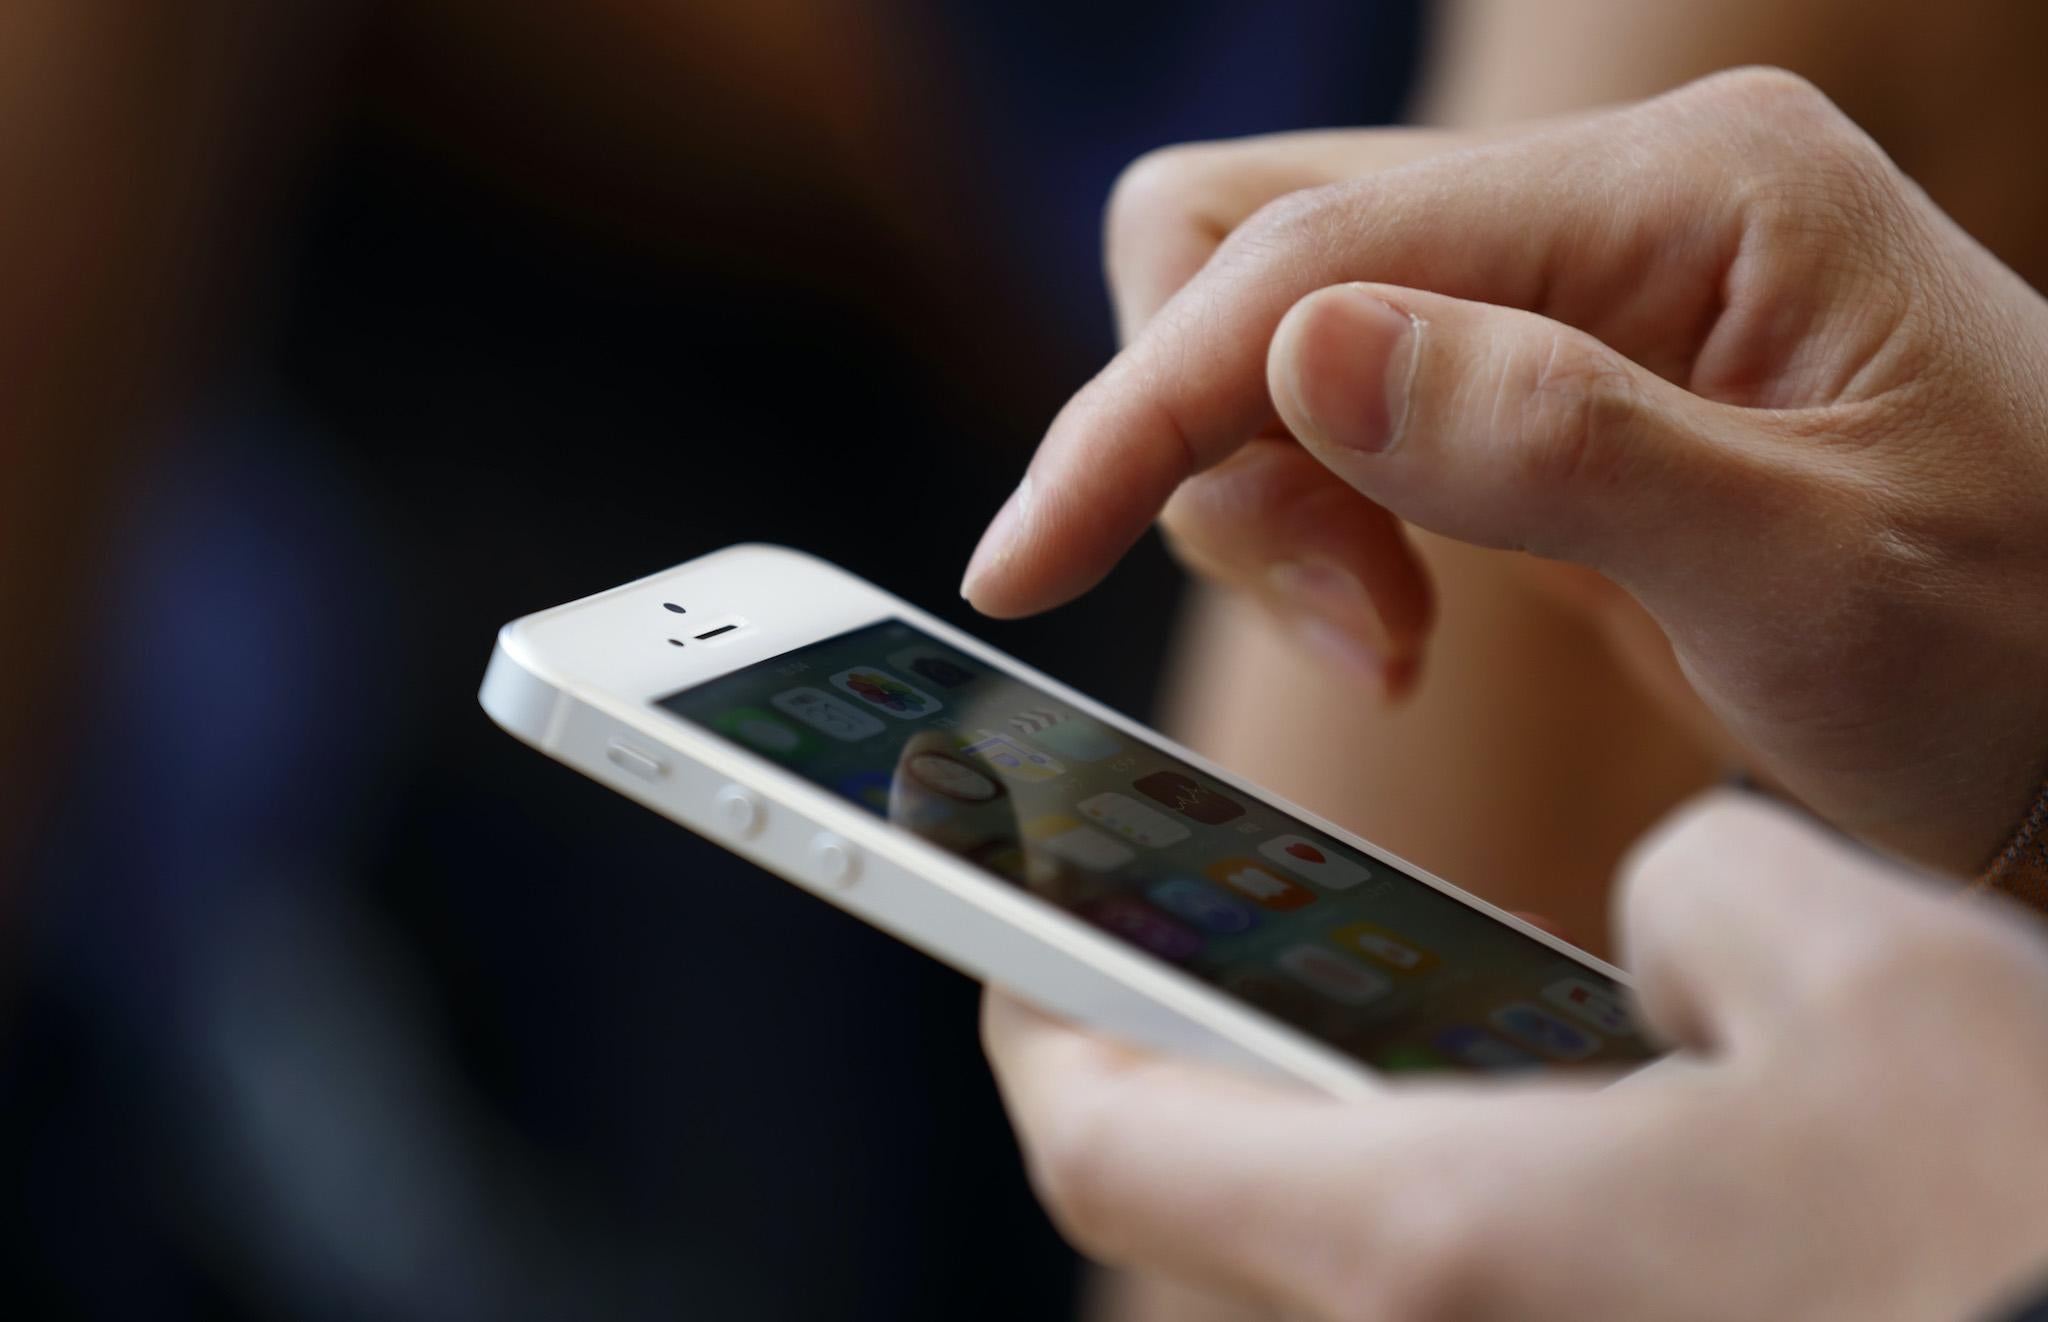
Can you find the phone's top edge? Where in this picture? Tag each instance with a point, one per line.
(709, 558)
(513, 635)
(595, 648)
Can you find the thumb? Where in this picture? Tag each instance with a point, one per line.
(1736, 912)
(1503, 428)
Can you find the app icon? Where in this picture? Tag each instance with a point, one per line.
(1070, 736)
(1012, 759)
(1203, 905)
(1339, 977)
(1592, 1003)
(1083, 846)
(1481, 1050)
(1408, 1060)
(879, 688)
(759, 729)
(951, 777)
(1144, 926)
(931, 664)
(827, 714)
(1189, 799)
(1260, 884)
(1133, 820)
(1544, 1031)
(1323, 866)
(1385, 947)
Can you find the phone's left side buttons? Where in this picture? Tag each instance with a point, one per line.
(834, 863)
(638, 761)
(739, 812)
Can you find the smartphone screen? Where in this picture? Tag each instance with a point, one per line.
(1379, 964)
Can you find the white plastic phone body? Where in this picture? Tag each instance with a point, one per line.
(580, 683)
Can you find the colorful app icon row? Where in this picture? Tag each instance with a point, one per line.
(1519, 1035)
(873, 688)
(1009, 753)
(1189, 797)
(1012, 757)
(1184, 913)
(1354, 967)
(1272, 888)
(932, 665)
(1067, 735)
(1331, 975)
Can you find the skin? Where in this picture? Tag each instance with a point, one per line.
(1799, 424)
(1707, 347)
(1775, 955)
(1455, 665)
(1552, 707)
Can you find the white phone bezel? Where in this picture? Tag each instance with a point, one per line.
(578, 680)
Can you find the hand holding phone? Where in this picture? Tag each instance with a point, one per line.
(1841, 1017)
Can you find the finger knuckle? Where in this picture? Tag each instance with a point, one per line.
(1903, 553)
(1815, 180)
(1293, 225)
(1767, 91)
(1159, 190)
(1566, 411)
(1878, 561)
(1824, 214)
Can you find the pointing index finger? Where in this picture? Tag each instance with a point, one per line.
(1192, 387)
(1509, 223)
(1105, 469)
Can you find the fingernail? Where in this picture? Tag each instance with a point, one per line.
(998, 543)
(1350, 369)
(1334, 614)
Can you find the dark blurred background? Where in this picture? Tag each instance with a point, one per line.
(324, 998)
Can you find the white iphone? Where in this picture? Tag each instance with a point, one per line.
(1032, 838)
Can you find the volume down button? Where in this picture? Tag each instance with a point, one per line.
(738, 812)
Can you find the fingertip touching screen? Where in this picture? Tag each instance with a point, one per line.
(1379, 964)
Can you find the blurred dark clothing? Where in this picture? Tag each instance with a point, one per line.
(340, 1002)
